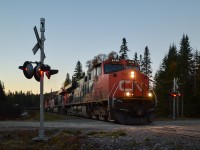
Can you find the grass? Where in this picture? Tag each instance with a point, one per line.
(66, 139)
(35, 116)
(58, 139)
(22, 139)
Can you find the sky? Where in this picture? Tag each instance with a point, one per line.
(78, 30)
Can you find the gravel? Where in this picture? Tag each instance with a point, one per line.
(139, 140)
(97, 135)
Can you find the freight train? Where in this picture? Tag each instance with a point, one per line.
(114, 89)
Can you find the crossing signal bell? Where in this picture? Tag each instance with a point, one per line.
(38, 70)
(27, 69)
(37, 73)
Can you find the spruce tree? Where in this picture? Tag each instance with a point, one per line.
(185, 74)
(146, 63)
(162, 88)
(140, 61)
(67, 80)
(196, 87)
(171, 64)
(123, 50)
(2, 92)
(79, 74)
(185, 63)
(135, 57)
(185, 59)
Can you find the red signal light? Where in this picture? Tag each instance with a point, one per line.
(41, 72)
(174, 94)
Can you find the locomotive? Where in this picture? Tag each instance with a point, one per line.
(114, 89)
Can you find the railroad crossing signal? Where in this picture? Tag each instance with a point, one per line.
(174, 94)
(38, 72)
(41, 68)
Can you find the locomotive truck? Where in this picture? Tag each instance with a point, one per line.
(114, 89)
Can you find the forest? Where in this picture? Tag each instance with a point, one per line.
(181, 63)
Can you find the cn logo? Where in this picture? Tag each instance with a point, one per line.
(139, 87)
(126, 85)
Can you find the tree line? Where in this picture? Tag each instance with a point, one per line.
(144, 62)
(182, 63)
(13, 104)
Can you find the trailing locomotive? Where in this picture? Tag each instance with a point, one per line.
(114, 89)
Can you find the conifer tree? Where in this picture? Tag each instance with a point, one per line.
(185, 59)
(67, 80)
(171, 63)
(183, 66)
(185, 74)
(140, 61)
(135, 57)
(195, 70)
(79, 74)
(123, 50)
(2, 92)
(146, 63)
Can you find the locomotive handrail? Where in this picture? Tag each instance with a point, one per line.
(112, 89)
(156, 100)
(114, 94)
(111, 92)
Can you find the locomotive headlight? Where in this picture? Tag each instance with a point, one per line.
(132, 74)
(150, 94)
(128, 94)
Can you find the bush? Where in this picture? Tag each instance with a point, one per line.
(8, 110)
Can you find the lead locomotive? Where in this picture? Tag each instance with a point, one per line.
(113, 89)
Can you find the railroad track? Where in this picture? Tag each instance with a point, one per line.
(178, 131)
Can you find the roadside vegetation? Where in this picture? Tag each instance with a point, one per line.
(57, 139)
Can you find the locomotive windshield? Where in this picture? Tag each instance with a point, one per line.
(134, 67)
(109, 68)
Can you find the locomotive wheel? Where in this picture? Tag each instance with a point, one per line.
(105, 117)
(151, 117)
